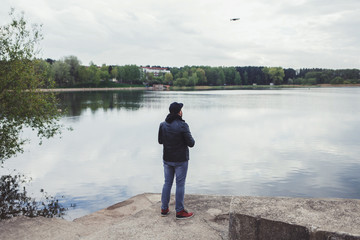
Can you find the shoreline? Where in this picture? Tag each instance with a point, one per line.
(216, 217)
(90, 89)
(237, 87)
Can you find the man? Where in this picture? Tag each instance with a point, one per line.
(175, 136)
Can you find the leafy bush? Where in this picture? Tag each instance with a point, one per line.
(310, 81)
(337, 80)
(15, 202)
(181, 82)
(298, 81)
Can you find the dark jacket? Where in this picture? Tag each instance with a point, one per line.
(175, 136)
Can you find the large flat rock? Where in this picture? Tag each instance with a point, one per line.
(294, 218)
(136, 218)
(216, 217)
(210, 222)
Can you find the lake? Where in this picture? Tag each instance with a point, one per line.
(285, 142)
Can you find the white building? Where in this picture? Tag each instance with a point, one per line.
(157, 71)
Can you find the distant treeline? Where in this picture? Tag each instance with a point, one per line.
(216, 76)
(69, 72)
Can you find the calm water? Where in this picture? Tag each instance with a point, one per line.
(289, 142)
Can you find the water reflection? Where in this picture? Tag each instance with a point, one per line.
(296, 142)
(77, 102)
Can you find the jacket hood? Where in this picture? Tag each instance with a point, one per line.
(173, 116)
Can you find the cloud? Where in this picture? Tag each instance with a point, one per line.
(306, 33)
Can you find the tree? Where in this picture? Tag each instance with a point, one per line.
(314, 75)
(61, 74)
(289, 74)
(120, 74)
(181, 82)
(175, 72)
(150, 76)
(83, 74)
(21, 104)
(237, 78)
(104, 73)
(134, 74)
(245, 78)
(211, 75)
(44, 68)
(93, 73)
(229, 75)
(74, 66)
(337, 80)
(129, 74)
(193, 80)
(221, 78)
(276, 74)
(168, 78)
(201, 76)
(114, 72)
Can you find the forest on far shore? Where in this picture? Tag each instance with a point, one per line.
(69, 72)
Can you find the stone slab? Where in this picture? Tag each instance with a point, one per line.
(136, 218)
(216, 217)
(294, 218)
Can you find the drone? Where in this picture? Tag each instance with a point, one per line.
(234, 19)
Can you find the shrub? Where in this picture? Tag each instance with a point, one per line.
(337, 80)
(181, 82)
(15, 202)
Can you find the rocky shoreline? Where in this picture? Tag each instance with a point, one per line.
(216, 217)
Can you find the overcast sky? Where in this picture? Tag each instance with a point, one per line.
(286, 33)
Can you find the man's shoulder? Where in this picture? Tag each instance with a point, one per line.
(182, 124)
(164, 124)
(176, 122)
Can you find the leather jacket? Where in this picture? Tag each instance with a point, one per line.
(176, 138)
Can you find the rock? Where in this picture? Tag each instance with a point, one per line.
(216, 217)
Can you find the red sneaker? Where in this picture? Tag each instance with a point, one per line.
(183, 214)
(165, 212)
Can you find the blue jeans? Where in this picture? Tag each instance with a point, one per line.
(171, 169)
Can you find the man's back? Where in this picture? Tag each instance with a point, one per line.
(175, 135)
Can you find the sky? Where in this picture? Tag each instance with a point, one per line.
(286, 33)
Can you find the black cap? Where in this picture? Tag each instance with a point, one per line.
(175, 107)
